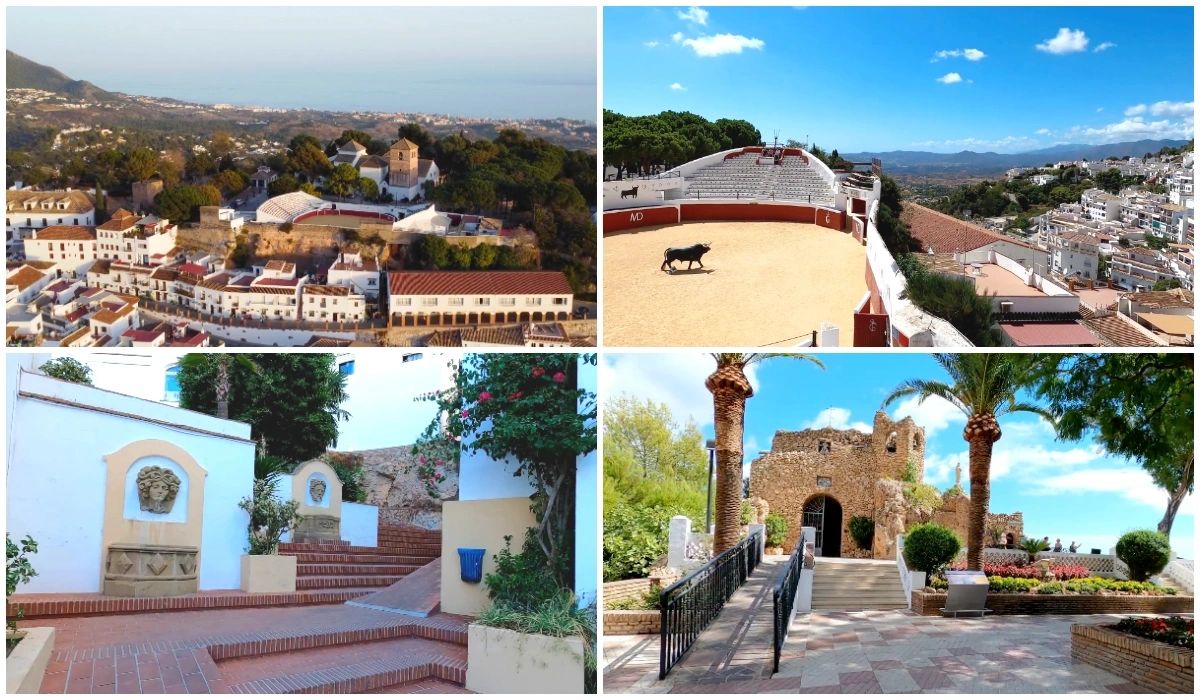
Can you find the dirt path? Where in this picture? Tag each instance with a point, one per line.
(764, 283)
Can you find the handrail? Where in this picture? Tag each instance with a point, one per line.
(905, 577)
(784, 597)
(688, 606)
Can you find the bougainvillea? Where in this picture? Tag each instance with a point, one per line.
(528, 409)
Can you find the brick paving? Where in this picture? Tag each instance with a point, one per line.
(875, 652)
(187, 651)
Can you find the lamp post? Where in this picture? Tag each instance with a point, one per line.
(711, 446)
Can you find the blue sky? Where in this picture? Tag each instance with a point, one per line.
(1070, 490)
(941, 79)
(492, 61)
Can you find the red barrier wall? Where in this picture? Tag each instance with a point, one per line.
(831, 219)
(870, 330)
(746, 212)
(625, 219)
(347, 212)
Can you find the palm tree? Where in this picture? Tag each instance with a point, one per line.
(730, 389)
(984, 387)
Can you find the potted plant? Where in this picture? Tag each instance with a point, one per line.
(264, 570)
(1031, 546)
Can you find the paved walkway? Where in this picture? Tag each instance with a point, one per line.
(222, 650)
(875, 652)
(735, 647)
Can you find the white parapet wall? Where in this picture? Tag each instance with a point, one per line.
(360, 524)
(641, 192)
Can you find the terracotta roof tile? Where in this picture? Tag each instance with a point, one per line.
(1049, 334)
(66, 233)
(481, 283)
(1170, 299)
(326, 290)
(25, 277)
(946, 234)
(1117, 331)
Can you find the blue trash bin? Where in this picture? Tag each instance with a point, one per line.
(471, 564)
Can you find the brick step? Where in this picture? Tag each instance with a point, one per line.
(355, 569)
(315, 582)
(336, 558)
(855, 585)
(361, 677)
(442, 631)
(83, 604)
(293, 548)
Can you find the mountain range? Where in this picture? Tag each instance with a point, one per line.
(24, 73)
(971, 162)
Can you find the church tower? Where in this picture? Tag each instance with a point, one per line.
(402, 164)
(895, 444)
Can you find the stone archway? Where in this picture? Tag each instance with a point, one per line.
(824, 513)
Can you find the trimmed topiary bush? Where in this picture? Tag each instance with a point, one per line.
(777, 528)
(930, 548)
(1145, 552)
(862, 529)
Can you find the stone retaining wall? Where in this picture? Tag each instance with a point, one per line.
(1153, 665)
(619, 590)
(631, 621)
(1038, 604)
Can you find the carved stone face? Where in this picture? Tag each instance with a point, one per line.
(157, 488)
(316, 489)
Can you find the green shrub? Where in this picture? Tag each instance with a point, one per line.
(862, 529)
(1052, 587)
(350, 470)
(18, 569)
(269, 518)
(777, 530)
(747, 513)
(557, 616)
(646, 600)
(1145, 552)
(1009, 584)
(930, 548)
(1032, 545)
(521, 581)
(635, 535)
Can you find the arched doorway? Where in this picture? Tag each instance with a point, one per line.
(824, 513)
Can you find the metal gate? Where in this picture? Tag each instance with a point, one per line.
(814, 517)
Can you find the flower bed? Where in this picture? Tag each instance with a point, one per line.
(1084, 586)
(1060, 572)
(1065, 603)
(1154, 665)
(1175, 631)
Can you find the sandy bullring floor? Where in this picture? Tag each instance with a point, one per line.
(766, 283)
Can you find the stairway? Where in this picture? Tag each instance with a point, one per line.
(857, 584)
(1167, 581)
(340, 566)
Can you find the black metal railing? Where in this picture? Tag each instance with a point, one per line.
(689, 605)
(785, 597)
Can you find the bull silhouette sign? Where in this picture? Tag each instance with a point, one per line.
(690, 254)
(632, 192)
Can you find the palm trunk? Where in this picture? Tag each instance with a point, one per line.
(223, 386)
(1175, 498)
(730, 389)
(981, 432)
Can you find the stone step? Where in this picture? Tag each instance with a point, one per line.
(293, 548)
(35, 606)
(361, 677)
(355, 569)
(304, 583)
(442, 630)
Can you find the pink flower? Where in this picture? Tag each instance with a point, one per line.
(515, 395)
(439, 462)
(464, 413)
(560, 377)
(421, 459)
(538, 371)
(485, 396)
(438, 476)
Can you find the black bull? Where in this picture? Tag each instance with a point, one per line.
(690, 254)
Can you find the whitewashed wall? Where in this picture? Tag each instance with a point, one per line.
(57, 476)
(360, 524)
(587, 510)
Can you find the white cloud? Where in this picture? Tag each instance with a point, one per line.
(1131, 483)
(1172, 109)
(677, 37)
(1132, 129)
(969, 54)
(1104, 46)
(695, 15)
(1043, 132)
(676, 379)
(650, 44)
(1135, 110)
(1099, 109)
(950, 79)
(721, 44)
(678, 87)
(933, 414)
(1066, 41)
(837, 418)
(1005, 143)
